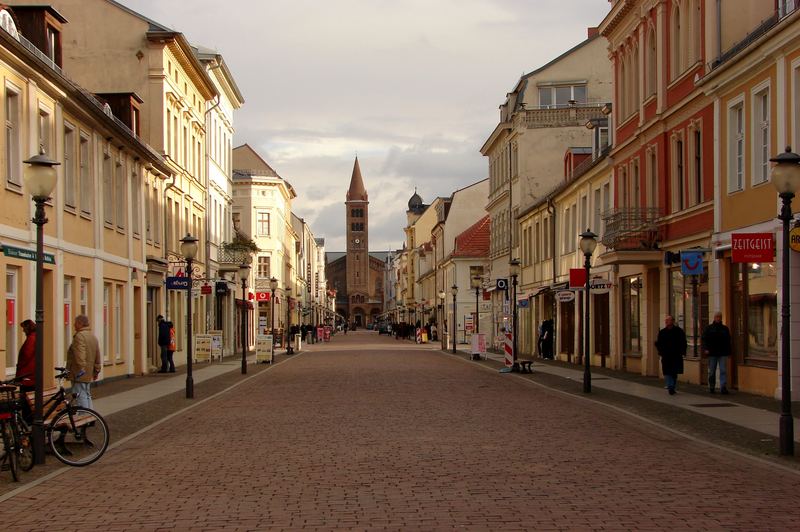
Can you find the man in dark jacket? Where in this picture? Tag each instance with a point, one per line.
(671, 346)
(163, 342)
(716, 342)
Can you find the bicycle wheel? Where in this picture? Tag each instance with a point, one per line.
(24, 445)
(78, 436)
(9, 451)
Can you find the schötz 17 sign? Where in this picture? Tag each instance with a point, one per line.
(752, 247)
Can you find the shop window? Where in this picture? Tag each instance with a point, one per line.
(631, 288)
(682, 304)
(12, 317)
(754, 326)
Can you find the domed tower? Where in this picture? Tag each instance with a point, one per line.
(357, 217)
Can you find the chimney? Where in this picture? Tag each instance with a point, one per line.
(592, 32)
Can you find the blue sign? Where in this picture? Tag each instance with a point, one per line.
(692, 262)
(522, 303)
(178, 283)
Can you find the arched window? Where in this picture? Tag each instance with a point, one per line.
(635, 73)
(623, 86)
(675, 42)
(697, 44)
(651, 63)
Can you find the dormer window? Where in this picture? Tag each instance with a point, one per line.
(561, 95)
(42, 25)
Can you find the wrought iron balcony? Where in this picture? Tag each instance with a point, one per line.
(632, 229)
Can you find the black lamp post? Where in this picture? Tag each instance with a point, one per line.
(442, 296)
(273, 285)
(513, 269)
(289, 349)
(189, 251)
(785, 177)
(588, 244)
(40, 178)
(453, 326)
(244, 273)
(476, 283)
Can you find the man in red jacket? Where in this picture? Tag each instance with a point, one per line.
(26, 364)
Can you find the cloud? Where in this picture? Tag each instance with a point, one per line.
(413, 86)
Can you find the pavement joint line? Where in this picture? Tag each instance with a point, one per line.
(129, 437)
(741, 454)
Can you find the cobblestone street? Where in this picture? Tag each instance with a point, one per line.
(368, 432)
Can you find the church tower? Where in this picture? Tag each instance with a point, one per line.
(358, 272)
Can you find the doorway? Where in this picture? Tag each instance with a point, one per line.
(602, 327)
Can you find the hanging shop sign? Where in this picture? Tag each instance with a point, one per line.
(600, 286)
(577, 277)
(205, 289)
(262, 297)
(178, 283)
(753, 247)
(692, 262)
(565, 296)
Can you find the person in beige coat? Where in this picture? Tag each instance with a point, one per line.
(84, 361)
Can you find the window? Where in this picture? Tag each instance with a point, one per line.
(108, 190)
(12, 316)
(736, 147)
(596, 220)
(651, 64)
(136, 204)
(754, 327)
(13, 161)
(69, 165)
(44, 130)
(676, 44)
(560, 96)
(262, 224)
(631, 315)
(606, 201)
(106, 340)
(120, 193)
(681, 304)
(635, 197)
(264, 267)
(624, 189)
(678, 174)
(118, 323)
(761, 144)
(84, 296)
(696, 192)
(86, 184)
(69, 310)
(652, 178)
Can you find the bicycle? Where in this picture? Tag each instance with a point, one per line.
(82, 434)
(23, 443)
(9, 431)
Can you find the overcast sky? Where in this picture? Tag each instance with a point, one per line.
(412, 86)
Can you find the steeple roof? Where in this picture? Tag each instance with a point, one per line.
(356, 191)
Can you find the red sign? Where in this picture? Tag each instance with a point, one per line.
(205, 289)
(752, 247)
(577, 277)
(10, 311)
(66, 313)
(262, 297)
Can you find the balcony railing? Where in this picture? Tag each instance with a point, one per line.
(227, 256)
(572, 116)
(632, 229)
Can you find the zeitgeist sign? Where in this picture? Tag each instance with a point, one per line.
(752, 247)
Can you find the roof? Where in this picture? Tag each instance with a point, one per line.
(260, 168)
(356, 191)
(205, 54)
(474, 241)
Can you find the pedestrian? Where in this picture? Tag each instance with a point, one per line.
(84, 361)
(716, 342)
(26, 366)
(671, 346)
(434, 333)
(163, 342)
(173, 346)
(546, 339)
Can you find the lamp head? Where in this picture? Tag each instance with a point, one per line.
(588, 242)
(454, 290)
(785, 175)
(513, 267)
(244, 271)
(40, 175)
(442, 295)
(188, 247)
(273, 284)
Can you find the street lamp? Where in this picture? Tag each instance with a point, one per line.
(785, 177)
(442, 295)
(588, 245)
(273, 285)
(40, 178)
(289, 350)
(513, 269)
(189, 251)
(244, 273)
(453, 325)
(476, 284)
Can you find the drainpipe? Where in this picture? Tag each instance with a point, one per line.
(551, 210)
(164, 249)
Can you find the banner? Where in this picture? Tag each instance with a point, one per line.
(216, 344)
(264, 352)
(202, 347)
(479, 344)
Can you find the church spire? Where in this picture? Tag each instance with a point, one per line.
(356, 191)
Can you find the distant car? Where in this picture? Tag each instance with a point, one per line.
(384, 328)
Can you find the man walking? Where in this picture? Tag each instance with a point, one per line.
(716, 342)
(83, 361)
(163, 342)
(671, 346)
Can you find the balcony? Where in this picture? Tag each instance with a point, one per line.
(632, 229)
(571, 116)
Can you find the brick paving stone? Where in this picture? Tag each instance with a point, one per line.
(370, 433)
